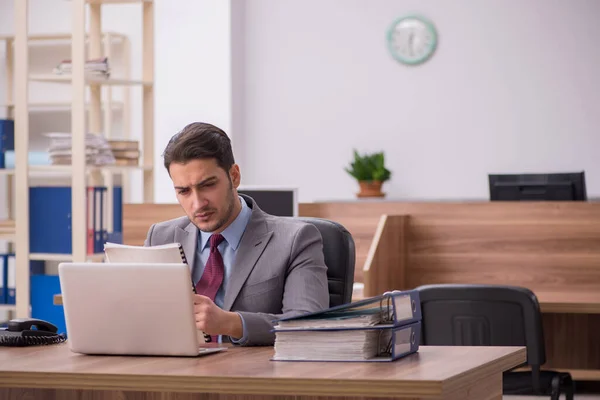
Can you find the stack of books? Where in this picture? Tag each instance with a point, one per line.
(126, 152)
(7, 226)
(381, 328)
(96, 67)
(96, 148)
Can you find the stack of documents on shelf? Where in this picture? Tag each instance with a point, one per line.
(7, 226)
(381, 328)
(96, 67)
(126, 152)
(96, 148)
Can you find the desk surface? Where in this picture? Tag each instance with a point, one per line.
(569, 302)
(431, 371)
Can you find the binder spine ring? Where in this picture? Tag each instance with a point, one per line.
(207, 337)
(386, 315)
(387, 349)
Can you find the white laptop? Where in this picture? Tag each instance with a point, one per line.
(130, 309)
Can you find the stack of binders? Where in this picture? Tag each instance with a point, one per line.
(381, 328)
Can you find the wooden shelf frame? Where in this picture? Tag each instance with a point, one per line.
(81, 175)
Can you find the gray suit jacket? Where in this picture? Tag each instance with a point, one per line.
(279, 269)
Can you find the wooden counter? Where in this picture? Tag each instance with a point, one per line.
(53, 372)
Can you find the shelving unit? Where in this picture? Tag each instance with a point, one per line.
(80, 174)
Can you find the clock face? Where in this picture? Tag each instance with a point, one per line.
(412, 40)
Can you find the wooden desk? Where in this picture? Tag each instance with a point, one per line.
(569, 302)
(53, 372)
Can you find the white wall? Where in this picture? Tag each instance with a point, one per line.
(193, 73)
(512, 88)
(299, 84)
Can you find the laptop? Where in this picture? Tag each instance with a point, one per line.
(130, 309)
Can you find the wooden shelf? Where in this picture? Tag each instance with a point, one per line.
(60, 106)
(85, 109)
(90, 80)
(63, 257)
(57, 36)
(66, 170)
(118, 1)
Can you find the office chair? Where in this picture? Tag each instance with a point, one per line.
(493, 315)
(340, 258)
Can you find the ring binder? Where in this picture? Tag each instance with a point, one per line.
(381, 328)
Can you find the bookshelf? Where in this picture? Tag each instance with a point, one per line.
(86, 116)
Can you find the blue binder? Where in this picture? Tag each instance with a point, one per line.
(400, 308)
(390, 327)
(50, 220)
(35, 268)
(393, 342)
(3, 277)
(7, 139)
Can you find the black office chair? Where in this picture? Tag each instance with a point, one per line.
(493, 315)
(340, 258)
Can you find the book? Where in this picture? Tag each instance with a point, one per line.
(380, 328)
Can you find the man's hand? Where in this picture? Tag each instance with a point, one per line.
(212, 320)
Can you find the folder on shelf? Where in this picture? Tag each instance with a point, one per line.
(98, 219)
(105, 216)
(381, 328)
(116, 236)
(36, 267)
(7, 139)
(89, 213)
(50, 220)
(3, 276)
(11, 279)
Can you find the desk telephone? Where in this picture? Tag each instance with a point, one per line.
(30, 332)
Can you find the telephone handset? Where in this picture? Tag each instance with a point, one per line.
(30, 332)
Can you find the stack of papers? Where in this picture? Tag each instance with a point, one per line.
(171, 253)
(97, 149)
(335, 345)
(95, 67)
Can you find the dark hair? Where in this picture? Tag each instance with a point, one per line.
(199, 140)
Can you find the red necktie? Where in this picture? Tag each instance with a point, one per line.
(212, 277)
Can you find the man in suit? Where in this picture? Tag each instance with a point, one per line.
(249, 267)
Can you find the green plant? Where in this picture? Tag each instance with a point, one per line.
(369, 167)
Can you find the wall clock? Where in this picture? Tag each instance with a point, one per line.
(412, 39)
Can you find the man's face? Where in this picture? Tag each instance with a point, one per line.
(206, 192)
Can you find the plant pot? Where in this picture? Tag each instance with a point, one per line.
(370, 189)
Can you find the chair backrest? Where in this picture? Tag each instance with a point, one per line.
(340, 257)
(482, 315)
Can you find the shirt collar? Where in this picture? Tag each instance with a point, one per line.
(233, 233)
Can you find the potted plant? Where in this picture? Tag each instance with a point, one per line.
(370, 172)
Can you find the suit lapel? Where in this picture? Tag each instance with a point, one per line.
(254, 240)
(188, 238)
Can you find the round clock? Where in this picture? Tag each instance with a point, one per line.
(412, 40)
